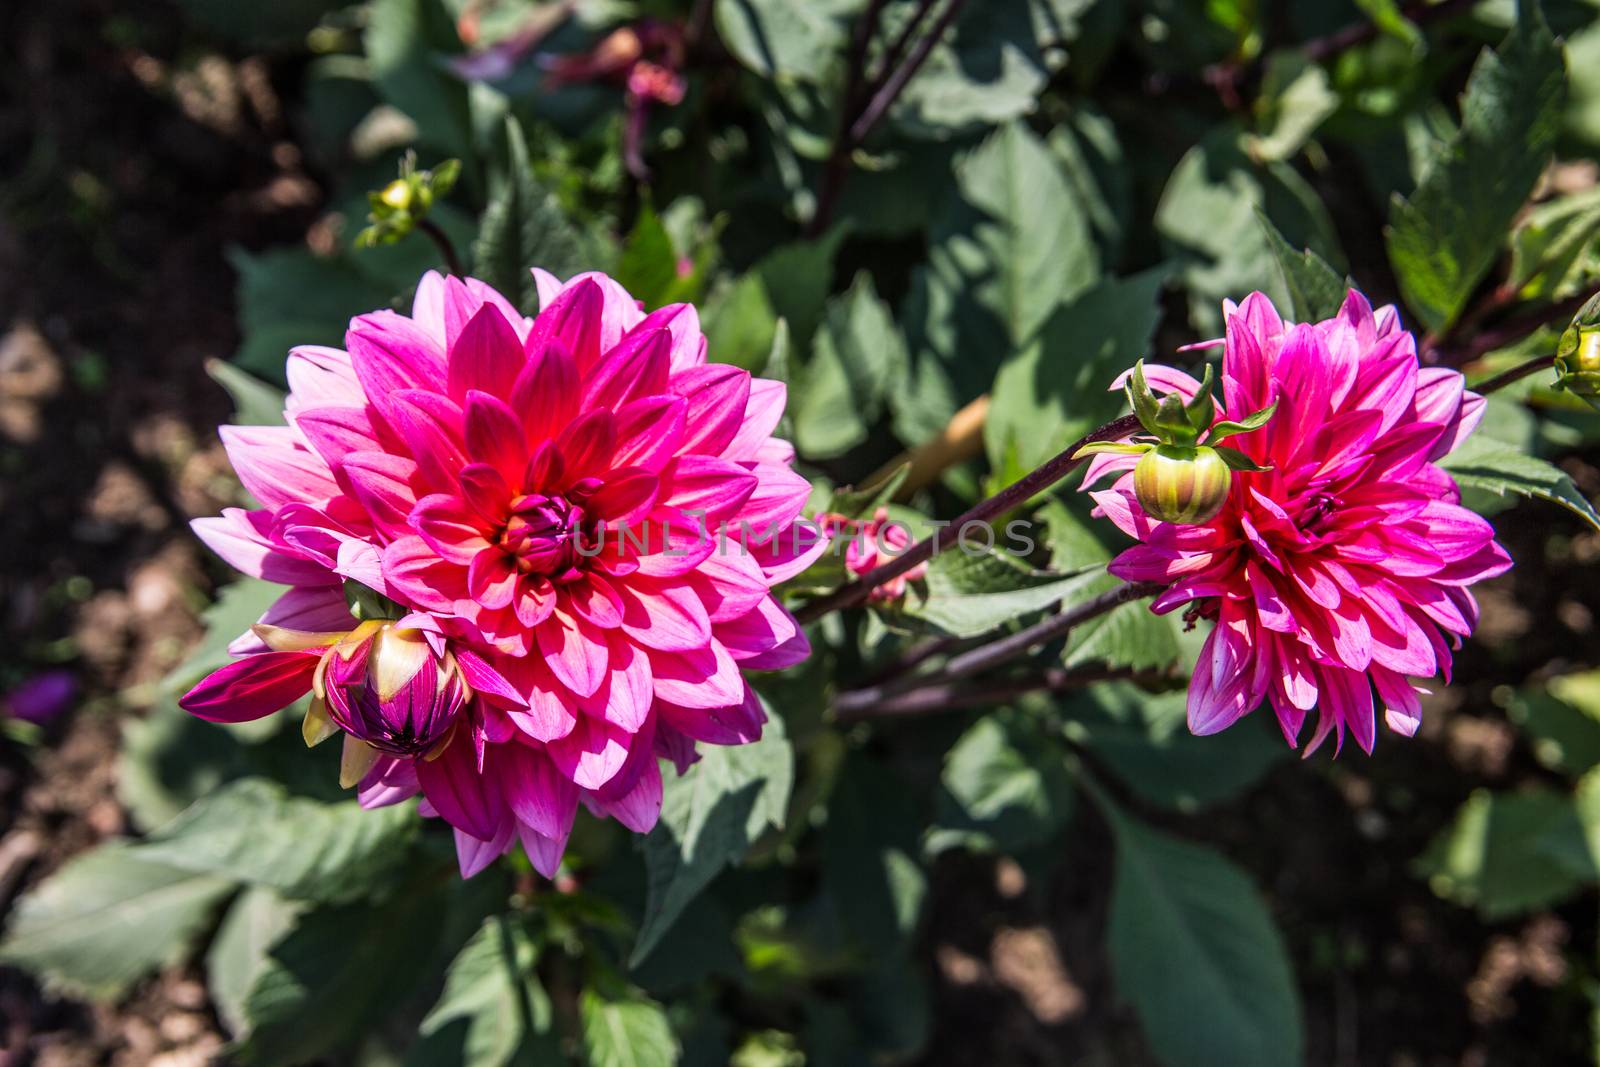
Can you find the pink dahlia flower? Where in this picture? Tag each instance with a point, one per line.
(1343, 569)
(579, 521)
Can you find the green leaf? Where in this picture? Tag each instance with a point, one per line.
(710, 816)
(1130, 635)
(1296, 96)
(1207, 219)
(255, 403)
(405, 43)
(237, 608)
(1195, 950)
(797, 279)
(988, 69)
(523, 227)
(289, 297)
(1447, 236)
(108, 918)
(1563, 724)
(1056, 389)
(1493, 466)
(784, 40)
(1555, 250)
(870, 851)
(967, 593)
(1005, 785)
(493, 1011)
(739, 323)
(256, 920)
(625, 1029)
(1017, 239)
(1510, 853)
(1144, 739)
(254, 831)
(1388, 17)
(1316, 290)
(339, 971)
(839, 394)
(648, 266)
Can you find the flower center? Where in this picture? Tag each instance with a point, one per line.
(1318, 508)
(541, 534)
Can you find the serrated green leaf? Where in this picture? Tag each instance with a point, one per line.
(1553, 249)
(784, 40)
(339, 970)
(1493, 466)
(1207, 220)
(108, 918)
(710, 816)
(1130, 635)
(797, 279)
(972, 592)
(1055, 389)
(1316, 290)
(523, 227)
(254, 831)
(1446, 237)
(839, 394)
(493, 1011)
(1144, 739)
(255, 921)
(1005, 785)
(1510, 853)
(870, 851)
(625, 1029)
(1296, 96)
(1190, 939)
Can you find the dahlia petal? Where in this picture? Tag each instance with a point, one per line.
(305, 608)
(592, 754)
(390, 781)
(274, 467)
(1348, 696)
(682, 322)
(462, 797)
(650, 431)
(1402, 708)
(586, 445)
(390, 352)
(492, 579)
(735, 724)
(382, 483)
(1460, 428)
(486, 356)
(539, 795)
(546, 393)
(494, 435)
(716, 397)
(779, 497)
(627, 696)
(321, 377)
(626, 498)
(474, 855)
(430, 425)
(242, 539)
(450, 528)
(729, 584)
(574, 650)
(767, 638)
(1167, 379)
(572, 322)
(543, 852)
(252, 688)
(335, 432)
(636, 368)
(711, 490)
(698, 678)
(761, 416)
(418, 576)
(788, 554)
(663, 616)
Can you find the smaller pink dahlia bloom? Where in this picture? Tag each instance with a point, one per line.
(872, 544)
(1344, 568)
(578, 521)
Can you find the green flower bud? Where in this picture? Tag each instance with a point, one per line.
(1182, 484)
(397, 194)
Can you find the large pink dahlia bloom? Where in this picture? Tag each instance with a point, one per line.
(580, 520)
(1343, 569)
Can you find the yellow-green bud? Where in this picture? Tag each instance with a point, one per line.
(1182, 484)
(397, 194)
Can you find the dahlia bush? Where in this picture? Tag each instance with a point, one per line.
(866, 532)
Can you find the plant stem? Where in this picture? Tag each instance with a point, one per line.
(1508, 332)
(857, 121)
(1515, 374)
(886, 94)
(447, 250)
(996, 653)
(1019, 492)
(943, 697)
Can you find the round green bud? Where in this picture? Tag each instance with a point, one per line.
(397, 194)
(1182, 484)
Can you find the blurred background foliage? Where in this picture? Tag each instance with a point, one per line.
(947, 227)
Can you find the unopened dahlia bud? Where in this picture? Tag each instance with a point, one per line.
(1177, 483)
(384, 685)
(1578, 354)
(1185, 474)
